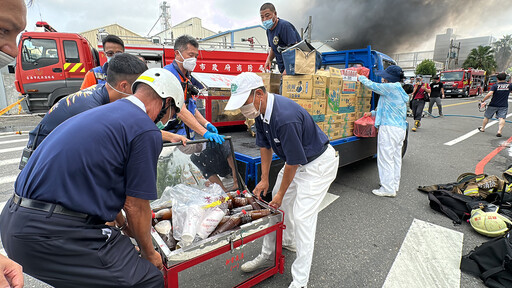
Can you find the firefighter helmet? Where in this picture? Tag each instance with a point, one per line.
(490, 224)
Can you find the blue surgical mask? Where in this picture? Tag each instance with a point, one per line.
(109, 58)
(268, 24)
(161, 125)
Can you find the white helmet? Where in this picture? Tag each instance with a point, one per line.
(164, 83)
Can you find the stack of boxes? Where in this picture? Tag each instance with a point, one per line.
(333, 98)
(363, 100)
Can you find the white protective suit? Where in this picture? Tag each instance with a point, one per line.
(390, 118)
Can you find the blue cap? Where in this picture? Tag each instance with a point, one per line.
(393, 73)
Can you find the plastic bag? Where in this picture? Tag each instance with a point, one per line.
(164, 201)
(196, 212)
(361, 70)
(365, 127)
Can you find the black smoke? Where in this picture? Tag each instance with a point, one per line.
(389, 26)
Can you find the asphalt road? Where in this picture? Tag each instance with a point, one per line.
(359, 235)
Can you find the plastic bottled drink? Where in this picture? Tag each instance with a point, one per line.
(251, 201)
(233, 194)
(233, 221)
(239, 209)
(240, 201)
(163, 214)
(257, 214)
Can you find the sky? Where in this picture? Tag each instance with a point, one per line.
(417, 21)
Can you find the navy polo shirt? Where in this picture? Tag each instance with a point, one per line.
(291, 132)
(68, 107)
(91, 162)
(283, 35)
(501, 91)
(177, 126)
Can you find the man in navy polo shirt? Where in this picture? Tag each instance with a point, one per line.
(280, 33)
(310, 167)
(499, 103)
(82, 175)
(123, 70)
(186, 51)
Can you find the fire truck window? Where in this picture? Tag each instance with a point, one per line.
(71, 51)
(39, 53)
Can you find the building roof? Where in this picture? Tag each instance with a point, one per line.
(230, 31)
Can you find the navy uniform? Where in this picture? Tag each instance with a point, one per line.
(66, 108)
(283, 35)
(176, 125)
(76, 180)
(293, 135)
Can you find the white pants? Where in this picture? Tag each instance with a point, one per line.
(389, 157)
(301, 204)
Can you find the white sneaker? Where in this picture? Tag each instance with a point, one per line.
(293, 285)
(259, 262)
(290, 247)
(381, 193)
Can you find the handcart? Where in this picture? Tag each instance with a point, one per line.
(214, 261)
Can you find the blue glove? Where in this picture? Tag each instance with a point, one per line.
(211, 128)
(219, 139)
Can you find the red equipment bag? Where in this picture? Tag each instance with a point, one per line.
(365, 127)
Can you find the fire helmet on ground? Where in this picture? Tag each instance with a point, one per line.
(489, 224)
(164, 83)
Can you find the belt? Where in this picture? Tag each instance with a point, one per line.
(312, 158)
(46, 207)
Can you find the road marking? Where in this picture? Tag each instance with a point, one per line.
(429, 257)
(8, 179)
(11, 149)
(479, 169)
(328, 199)
(13, 133)
(450, 105)
(13, 141)
(469, 134)
(9, 161)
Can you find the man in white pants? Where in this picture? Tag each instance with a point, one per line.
(311, 165)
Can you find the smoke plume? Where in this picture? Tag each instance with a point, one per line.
(389, 26)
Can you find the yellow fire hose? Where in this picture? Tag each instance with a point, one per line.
(2, 112)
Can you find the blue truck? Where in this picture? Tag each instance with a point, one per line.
(351, 149)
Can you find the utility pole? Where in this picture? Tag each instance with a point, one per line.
(452, 55)
(310, 26)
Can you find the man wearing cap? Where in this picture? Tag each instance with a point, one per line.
(437, 91)
(311, 164)
(80, 177)
(499, 103)
(390, 117)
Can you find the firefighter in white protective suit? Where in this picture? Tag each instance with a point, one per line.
(390, 118)
(311, 164)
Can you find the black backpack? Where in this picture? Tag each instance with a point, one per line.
(491, 261)
(453, 205)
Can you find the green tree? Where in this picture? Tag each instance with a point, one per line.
(481, 57)
(426, 67)
(503, 50)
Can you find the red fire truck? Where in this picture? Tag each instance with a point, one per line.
(52, 65)
(463, 83)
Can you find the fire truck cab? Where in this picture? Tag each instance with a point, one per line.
(463, 83)
(51, 65)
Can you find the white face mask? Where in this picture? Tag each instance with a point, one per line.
(249, 111)
(189, 63)
(117, 90)
(5, 59)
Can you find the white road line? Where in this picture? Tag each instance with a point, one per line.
(8, 179)
(469, 134)
(9, 161)
(13, 141)
(12, 149)
(429, 257)
(7, 134)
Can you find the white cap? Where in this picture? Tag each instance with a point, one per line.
(241, 88)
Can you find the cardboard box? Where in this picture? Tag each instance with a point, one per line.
(348, 116)
(347, 103)
(348, 75)
(319, 86)
(334, 118)
(298, 86)
(318, 118)
(272, 81)
(347, 133)
(219, 92)
(333, 91)
(349, 87)
(333, 131)
(313, 106)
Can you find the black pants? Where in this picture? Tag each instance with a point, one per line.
(417, 108)
(65, 251)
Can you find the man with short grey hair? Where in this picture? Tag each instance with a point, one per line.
(190, 120)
